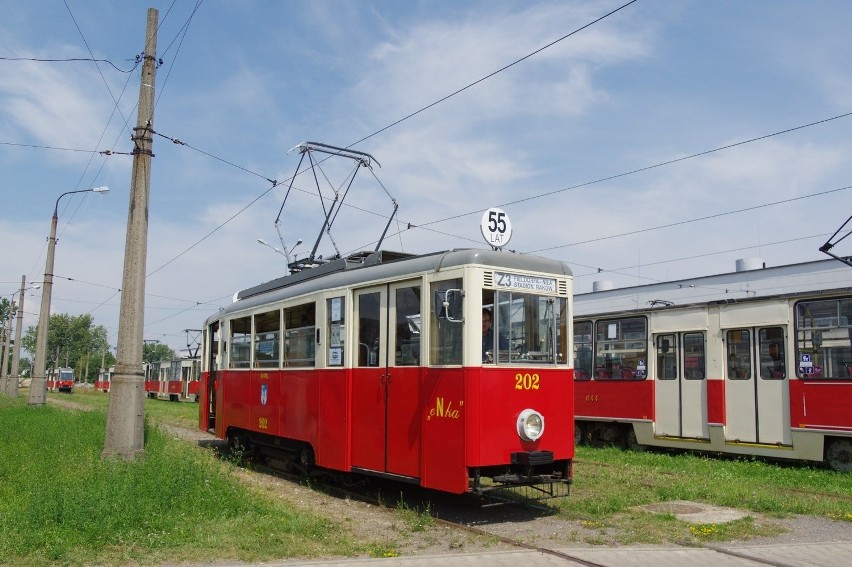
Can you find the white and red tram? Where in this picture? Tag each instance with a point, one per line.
(376, 364)
(173, 380)
(754, 362)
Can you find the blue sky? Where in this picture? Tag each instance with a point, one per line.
(548, 139)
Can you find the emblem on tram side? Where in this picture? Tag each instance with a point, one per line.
(263, 394)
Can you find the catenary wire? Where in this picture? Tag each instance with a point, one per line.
(395, 123)
(696, 219)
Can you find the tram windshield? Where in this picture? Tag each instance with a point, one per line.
(524, 328)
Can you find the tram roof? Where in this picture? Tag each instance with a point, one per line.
(733, 287)
(382, 265)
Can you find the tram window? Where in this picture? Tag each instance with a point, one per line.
(211, 347)
(240, 342)
(582, 350)
(824, 339)
(336, 330)
(492, 340)
(528, 328)
(694, 359)
(771, 345)
(445, 337)
(267, 334)
(369, 328)
(299, 335)
(667, 357)
(738, 345)
(621, 349)
(407, 329)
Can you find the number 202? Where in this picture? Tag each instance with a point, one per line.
(526, 381)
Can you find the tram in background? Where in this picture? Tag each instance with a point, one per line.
(754, 362)
(104, 379)
(61, 380)
(173, 380)
(375, 364)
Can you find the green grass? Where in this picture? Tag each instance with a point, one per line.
(181, 414)
(609, 485)
(62, 504)
(181, 503)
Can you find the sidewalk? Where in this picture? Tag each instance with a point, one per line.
(788, 555)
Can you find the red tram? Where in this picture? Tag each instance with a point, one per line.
(61, 380)
(173, 380)
(104, 380)
(376, 364)
(754, 362)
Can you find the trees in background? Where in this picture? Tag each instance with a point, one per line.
(157, 352)
(73, 341)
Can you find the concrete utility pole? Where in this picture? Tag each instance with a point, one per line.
(125, 416)
(7, 339)
(38, 383)
(15, 378)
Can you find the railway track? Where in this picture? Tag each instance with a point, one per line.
(441, 507)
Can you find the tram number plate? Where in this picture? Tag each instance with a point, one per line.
(262, 423)
(526, 381)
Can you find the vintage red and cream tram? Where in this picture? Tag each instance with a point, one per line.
(753, 362)
(376, 364)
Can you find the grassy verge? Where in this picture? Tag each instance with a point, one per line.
(610, 484)
(61, 504)
(181, 414)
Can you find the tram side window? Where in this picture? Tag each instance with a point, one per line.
(621, 349)
(336, 330)
(267, 334)
(211, 347)
(824, 339)
(583, 350)
(369, 328)
(299, 335)
(407, 337)
(772, 359)
(667, 357)
(240, 342)
(445, 336)
(738, 346)
(694, 359)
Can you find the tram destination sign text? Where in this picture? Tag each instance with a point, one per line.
(527, 283)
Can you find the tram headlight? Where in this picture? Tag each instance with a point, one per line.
(530, 425)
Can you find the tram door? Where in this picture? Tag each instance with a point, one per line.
(681, 386)
(208, 405)
(757, 402)
(385, 380)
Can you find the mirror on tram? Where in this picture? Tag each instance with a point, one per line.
(448, 305)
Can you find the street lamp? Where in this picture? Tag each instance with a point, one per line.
(38, 385)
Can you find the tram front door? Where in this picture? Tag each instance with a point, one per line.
(386, 423)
